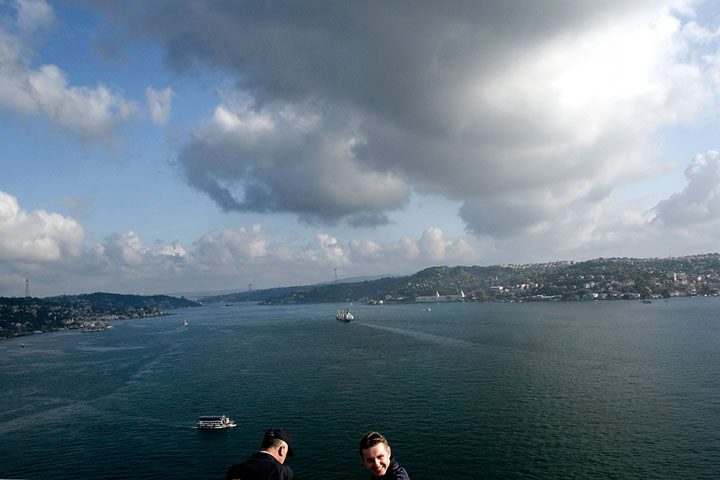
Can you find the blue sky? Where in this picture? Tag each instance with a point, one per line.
(176, 147)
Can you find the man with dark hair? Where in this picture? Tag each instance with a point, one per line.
(375, 453)
(268, 463)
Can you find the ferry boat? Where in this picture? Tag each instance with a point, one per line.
(344, 315)
(215, 422)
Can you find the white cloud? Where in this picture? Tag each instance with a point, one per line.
(365, 249)
(126, 250)
(37, 236)
(86, 112)
(398, 254)
(232, 248)
(324, 250)
(172, 250)
(159, 103)
(34, 15)
(432, 244)
(435, 247)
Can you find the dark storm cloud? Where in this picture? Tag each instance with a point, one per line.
(394, 60)
(478, 101)
(368, 220)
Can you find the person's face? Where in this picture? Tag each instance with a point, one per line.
(377, 459)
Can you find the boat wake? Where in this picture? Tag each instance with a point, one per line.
(423, 336)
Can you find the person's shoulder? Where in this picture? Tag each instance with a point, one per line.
(282, 471)
(234, 471)
(398, 472)
(259, 467)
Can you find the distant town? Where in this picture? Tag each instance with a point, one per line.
(599, 279)
(88, 313)
(593, 280)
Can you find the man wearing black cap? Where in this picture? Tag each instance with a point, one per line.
(268, 462)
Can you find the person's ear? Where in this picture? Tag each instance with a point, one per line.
(282, 451)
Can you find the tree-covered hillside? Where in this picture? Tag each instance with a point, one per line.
(21, 316)
(602, 278)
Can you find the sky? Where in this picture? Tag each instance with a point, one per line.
(180, 147)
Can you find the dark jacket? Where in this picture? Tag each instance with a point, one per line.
(260, 466)
(394, 472)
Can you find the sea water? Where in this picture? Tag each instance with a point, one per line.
(615, 389)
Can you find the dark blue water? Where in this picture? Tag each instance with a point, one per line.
(545, 390)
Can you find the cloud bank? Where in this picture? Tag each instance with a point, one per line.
(50, 250)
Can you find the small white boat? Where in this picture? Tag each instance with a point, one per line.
(344, 315)
(185, 323)
(215, 422)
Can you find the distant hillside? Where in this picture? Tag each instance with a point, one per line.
(109, 302)
(363, 278)
(252, 296)
(281, 292)
(603, 278)
(443, 280)
(23, 316)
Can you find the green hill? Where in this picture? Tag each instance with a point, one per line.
(602, 278)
